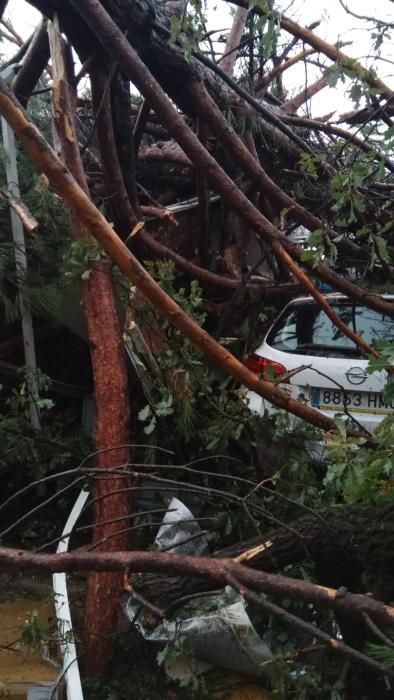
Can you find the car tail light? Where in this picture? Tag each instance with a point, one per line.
(268, 368)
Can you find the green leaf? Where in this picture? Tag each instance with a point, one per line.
(333, 73)
(144, 413)
(356, 93)
(376, 364)
(381, 247)
(341, 425)
(175, 28)
(151, 426)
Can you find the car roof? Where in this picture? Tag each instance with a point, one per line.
(335, 296)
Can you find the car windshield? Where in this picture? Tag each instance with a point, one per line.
(305, 329)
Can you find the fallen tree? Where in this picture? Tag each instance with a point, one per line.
(348, 546)
(224, 572)
(47, 161)
(274, 171)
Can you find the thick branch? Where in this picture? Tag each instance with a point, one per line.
(3, 5)
(306, 94)
(228, 60)
(323, 303)
(114, 40)
(34, 64)
(117, 197)
(218, 570)
(81, 206)
(362, 144)
(281, 68)
(329, 50)
(264, 291)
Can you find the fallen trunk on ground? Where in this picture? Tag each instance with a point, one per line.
(218, 570)
(349, 546)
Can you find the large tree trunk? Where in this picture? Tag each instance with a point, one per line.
(111, 398)
(350, 546)
(112, 430)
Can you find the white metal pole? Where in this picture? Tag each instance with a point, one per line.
(21, 269)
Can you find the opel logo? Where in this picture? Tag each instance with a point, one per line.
(356, 375)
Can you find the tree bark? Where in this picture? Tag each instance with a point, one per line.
(124, 136)
(118, 202)
(228, 60)
(351, 546)
(218, 570)
(111, 36)
(3, 5)
(89, 216)
(110, 392)
(112, 431)
(165, 61)
(333, 52)
(34, 63)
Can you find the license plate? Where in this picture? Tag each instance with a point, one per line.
(356, 401)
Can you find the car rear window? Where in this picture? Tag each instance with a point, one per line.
(305, 329)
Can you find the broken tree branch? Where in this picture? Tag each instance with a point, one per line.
(3, 5)
(328, 128)
(113, 38)
(34, 64)
(217, 570)
(330, 50)
(323, 303)
(305, 94)
(28, 220)
(294, 621)
(281, 68)
(228, 60)
(46, 160)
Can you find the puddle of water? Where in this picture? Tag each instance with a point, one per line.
(19, 669)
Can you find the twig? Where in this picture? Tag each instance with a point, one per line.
(28, 220)
(140, 123)
(378, 632)
(296, 622)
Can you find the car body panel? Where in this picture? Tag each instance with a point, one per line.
(326, 382)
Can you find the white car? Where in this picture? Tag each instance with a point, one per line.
(334, 377)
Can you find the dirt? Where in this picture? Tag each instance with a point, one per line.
(20, 668)
(16, 586)
(134, 672)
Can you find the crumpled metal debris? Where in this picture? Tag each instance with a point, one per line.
(211, 631)
(180, 532)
